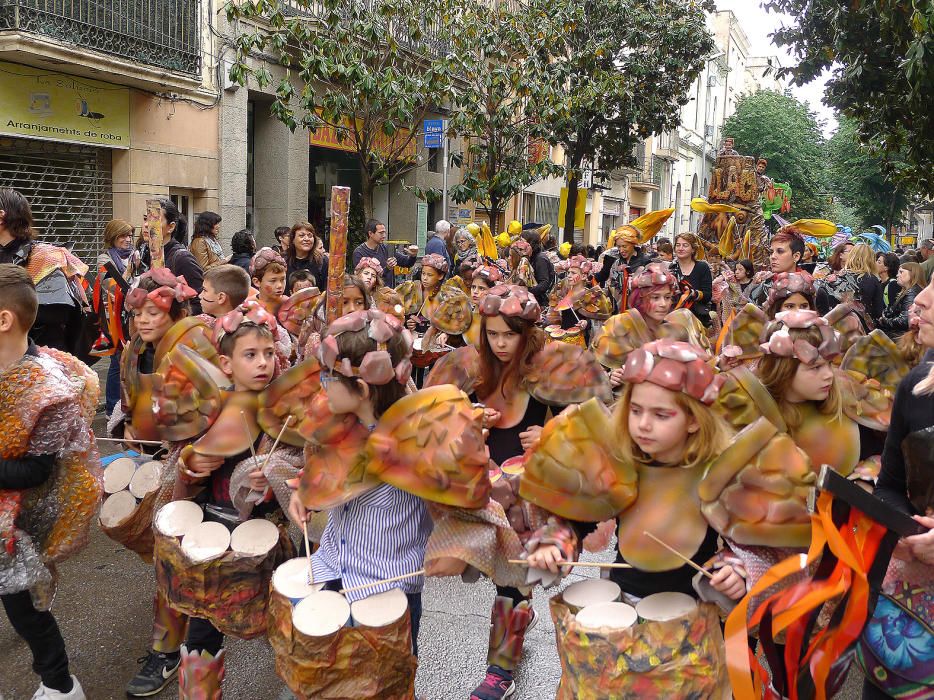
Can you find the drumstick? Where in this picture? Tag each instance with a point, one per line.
(249, 435)
(129, 440)
(276, 443)
(311, 571)
(594, 564)
(378, 583)
(679, 555)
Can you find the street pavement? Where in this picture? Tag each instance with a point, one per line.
(104, 607)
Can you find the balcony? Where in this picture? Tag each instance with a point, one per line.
(667, 144)
(646, 173)
(160, 34)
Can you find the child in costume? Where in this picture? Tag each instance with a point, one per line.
(245, 339)
(790, 291)
(383, 531)
(354, 297)
(50, 477)
(578, 297)
(267, 270)
(483, 279)
(371, 272)
(420, 296)
(301, 279)
(225, 288)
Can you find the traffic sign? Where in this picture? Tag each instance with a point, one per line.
(434, 133)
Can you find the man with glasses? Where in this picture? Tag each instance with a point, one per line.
(374, 247)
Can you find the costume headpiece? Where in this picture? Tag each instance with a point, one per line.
(489, 273)
(371, 263)
(782, 344)
(653, 275)
(170, 289)
(249, 313)
(641, 230)
(264, 256)
(585, 265)
(511, 300)
(816, 228)
(522, 247)
(785, 284)
(673, 365)
(435, 261)
(376, 368)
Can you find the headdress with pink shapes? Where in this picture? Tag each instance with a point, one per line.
(511, 300)
(376, 368)
(522, 248)
(491, 274)
(249, 313)
(436, 262)
(779, 341)
(263, 258)
(785, 284)
(171, 289)
(370, 263)
(675, 366)
(585, 265)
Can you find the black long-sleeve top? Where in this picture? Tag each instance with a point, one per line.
(701, 280)
(870, 294)
(181, 262)
(544, 278)
(894, 319)
(909, 414)
(319, 272)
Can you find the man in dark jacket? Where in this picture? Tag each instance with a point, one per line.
(542, 268)
(373, 247)
(438, 241)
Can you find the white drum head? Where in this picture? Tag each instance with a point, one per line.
(206, 541)
(117, 508)
(146, 479)
(590, 591)
(254, 537)
(381, 609)
(178, 517)
(660, 607)
(118, 473)
(417, 343)
(618, 616)
(291, 579)
(321, 614)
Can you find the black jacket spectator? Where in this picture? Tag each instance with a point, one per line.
(894, 320)
(180, 261)
(319, 272)
(382, 253)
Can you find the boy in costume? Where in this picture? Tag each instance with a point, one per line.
(268, 270)
(225, 288)
(50, 477)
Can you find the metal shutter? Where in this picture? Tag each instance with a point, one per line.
(69, 188)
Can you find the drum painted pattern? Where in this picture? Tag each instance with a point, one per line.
(682, 658)
(355, 663)
(232, 591)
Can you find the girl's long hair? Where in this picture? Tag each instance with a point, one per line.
(861, 260)
(702, 446)
(508, 378)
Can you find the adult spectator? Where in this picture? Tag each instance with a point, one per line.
(243, 246)
(283, 235)
(894, 320)
(118, 250)
(926, 251)
(439, 242)
(204, 245)
(693, 275)
(542, 268)
(374, 247)
(178, 259)
(305, 253)
(785, 252)
(623, 257)
(887, 269)
(55, 272)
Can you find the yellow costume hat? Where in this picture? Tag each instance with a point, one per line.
(641, 230)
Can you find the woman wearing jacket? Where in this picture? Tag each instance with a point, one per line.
(894, 320)
(204, 245)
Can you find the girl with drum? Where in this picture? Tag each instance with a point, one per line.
(419, 296)
(484, 278)
(576, 297)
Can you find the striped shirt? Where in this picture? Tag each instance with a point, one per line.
(375, 536)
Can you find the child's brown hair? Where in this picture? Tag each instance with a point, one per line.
(231, 280)
(18, 295)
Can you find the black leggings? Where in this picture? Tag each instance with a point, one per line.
(203, 636)
(515, 594)
(40, 631)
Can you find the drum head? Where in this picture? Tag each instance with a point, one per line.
(618, 616)
(117, 508)
(254, 537)
(321, 614)
(178, 517)
(206, 541)
(660, 607)
(118, 473)
(146, 479)
(592, 590)
(291, 579)
(381, 609)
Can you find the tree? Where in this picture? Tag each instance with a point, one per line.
(859, 181)
(882, 75)
(370, 71)
(503, 87)
(784, 131)
(626, 66)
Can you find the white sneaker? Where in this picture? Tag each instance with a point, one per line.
(76, 692)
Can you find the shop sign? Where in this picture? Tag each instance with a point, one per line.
(327, 136)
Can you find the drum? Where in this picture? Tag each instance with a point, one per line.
(590, 591)
(664, 607)
(205, 570)
(327, 649)
(606, 653)
(427, 357)
(126, 516)
(574, 336)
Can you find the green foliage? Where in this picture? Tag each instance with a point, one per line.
(503, 88)
(879, 54)
(369, 70)
(859, 180)
(625, 67)
(784, 131)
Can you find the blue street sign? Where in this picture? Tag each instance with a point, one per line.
(434, 133)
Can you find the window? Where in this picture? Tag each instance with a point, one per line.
(546, 210)
(435, 158)
(182, 201)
